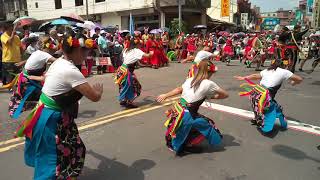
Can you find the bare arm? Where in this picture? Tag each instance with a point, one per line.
(36, 78)
(147, 55)
(295, 79)
(93, 93)
(250, 77)
(10, 40)
(220, 94)
(52, 59)
(174, 92)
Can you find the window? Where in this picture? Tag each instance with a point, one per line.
(97, 1)
(79, 2)
(58, 4)
(37, 5)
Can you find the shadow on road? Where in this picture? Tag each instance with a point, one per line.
(292, 153)
(316, 83)
(227, 141)
(87, 114)
(146, 101)
(110, 169)
(204, 147)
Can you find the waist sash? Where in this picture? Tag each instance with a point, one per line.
(26, 127)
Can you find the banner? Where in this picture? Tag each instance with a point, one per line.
(225, 8)
(309, 7)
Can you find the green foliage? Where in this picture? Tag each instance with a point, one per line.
(174, 27)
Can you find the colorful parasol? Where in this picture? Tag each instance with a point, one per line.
(156, 31)
(24, 21)
(73, 17)
(60, 22)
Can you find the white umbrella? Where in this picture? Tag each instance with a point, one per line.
(89, 25)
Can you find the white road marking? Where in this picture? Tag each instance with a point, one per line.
(307, 128)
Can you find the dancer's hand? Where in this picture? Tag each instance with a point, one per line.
(19, 64)
(240, 78)
(161, 98)
(98, 87)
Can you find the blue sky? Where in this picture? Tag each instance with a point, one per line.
(273, 5)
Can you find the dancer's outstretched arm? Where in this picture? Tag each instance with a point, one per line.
(174, 92)
(250, 77)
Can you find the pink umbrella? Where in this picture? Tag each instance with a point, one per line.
(24, 20)
(73, 17)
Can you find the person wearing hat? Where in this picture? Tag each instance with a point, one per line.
(262, 97)
(32, 41)
(11, 52)
(53, 146)
(103, 49)
(186, 128)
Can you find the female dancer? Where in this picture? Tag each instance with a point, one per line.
(185, 126)
(129, 86)
(204, 54)
(53, 145)
(265, 107)
(27, 91)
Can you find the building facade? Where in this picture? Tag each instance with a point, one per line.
(152, 13)
(316, 14)
(286, 17)
(214, 11)
(12, 9)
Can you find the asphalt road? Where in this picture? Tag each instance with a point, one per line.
(129, 144)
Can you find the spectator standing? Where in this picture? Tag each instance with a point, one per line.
(11, 53)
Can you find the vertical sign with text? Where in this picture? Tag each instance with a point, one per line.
(225, 8)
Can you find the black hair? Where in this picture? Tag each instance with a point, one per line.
(132, 45)
(65, 45)
(7, 25)
(277, 63)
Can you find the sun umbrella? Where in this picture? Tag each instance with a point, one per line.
(59, 22)
(137, 32)
(223, 33)
(110, 29)
(45, 26)
(124, 31)
(73, 17)
(155, 31)
(24, 20)
(89, 25)
(240, 34)
(165, 29)
(200, 27)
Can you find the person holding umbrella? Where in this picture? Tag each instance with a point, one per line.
(11, 52)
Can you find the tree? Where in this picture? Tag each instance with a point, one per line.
(174, 27)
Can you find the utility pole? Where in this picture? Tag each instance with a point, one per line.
(179, 5)
(87, 10)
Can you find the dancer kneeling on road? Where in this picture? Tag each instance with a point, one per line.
(265, 107)
(129, 86)
(53, 145)
(185, 127)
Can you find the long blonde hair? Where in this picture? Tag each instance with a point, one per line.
(203, 73)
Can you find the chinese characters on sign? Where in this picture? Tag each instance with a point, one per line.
(225, 8)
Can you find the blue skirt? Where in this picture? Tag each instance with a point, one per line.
(56, 150)
(271, 115)
(202, 125)
(40, 152)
